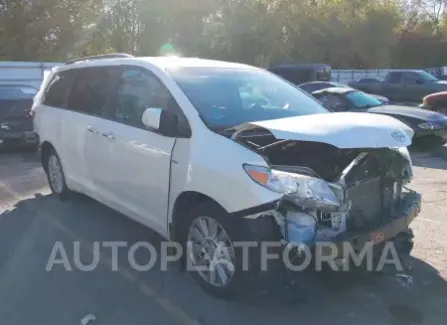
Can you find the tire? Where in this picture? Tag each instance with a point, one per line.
(56, 176)
(240, 280)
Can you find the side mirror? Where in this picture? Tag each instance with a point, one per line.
(420, 81)
(165, 122)
(152, 117)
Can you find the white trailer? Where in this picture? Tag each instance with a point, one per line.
(24, 73)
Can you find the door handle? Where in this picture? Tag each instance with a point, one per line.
(91, 129)
(109, 136)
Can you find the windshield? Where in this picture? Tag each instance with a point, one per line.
(427, 76)
(15, 101)
(226, 97)
(17, 92)
(361, 100)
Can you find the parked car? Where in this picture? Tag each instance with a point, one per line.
(428, 126)
(299, 73)
(406, 86)
(310, 87)
(368, 85)
(16, 125)
(170, 143)
(435, 102)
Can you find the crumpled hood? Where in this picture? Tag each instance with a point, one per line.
(343, 130)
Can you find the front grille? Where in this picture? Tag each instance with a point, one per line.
(22, 136)
(12, 136)
(22, 124)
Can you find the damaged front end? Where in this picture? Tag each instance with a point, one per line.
(333, 194)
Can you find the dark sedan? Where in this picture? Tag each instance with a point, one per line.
(310, 87)
(429, 127)
(16, 124)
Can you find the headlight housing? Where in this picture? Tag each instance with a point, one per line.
(430, 126)
(403, 151)
(306, 191)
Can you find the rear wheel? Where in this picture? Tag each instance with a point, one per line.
(55, 175)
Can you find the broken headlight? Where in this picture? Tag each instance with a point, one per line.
(305, 191)
(403, 151)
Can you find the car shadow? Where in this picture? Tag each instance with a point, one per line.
(334, 297)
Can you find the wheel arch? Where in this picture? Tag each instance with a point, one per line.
(184, 202)
(45, 149)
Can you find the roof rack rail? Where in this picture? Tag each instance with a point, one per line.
(99, 57)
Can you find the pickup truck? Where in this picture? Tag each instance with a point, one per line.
(403, 85)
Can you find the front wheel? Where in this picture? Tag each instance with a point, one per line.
(215, 252)
(210, 252)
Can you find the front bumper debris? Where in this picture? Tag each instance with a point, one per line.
(408, 210)
(390, 227)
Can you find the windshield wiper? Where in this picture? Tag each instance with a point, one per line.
(370, 106)
(224, 131)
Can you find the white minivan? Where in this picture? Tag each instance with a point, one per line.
(215, 154)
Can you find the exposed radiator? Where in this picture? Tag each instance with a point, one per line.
(372, 201)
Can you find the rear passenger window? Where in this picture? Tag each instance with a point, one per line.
(92, 90)
(138, 90)
(57, 90)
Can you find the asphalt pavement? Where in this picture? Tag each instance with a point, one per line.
(32, 222)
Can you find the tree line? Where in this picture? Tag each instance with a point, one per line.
(364, 34)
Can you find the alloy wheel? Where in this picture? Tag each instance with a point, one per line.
(211, 251)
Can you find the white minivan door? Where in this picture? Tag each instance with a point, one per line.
(89, 103)
(140, 158)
